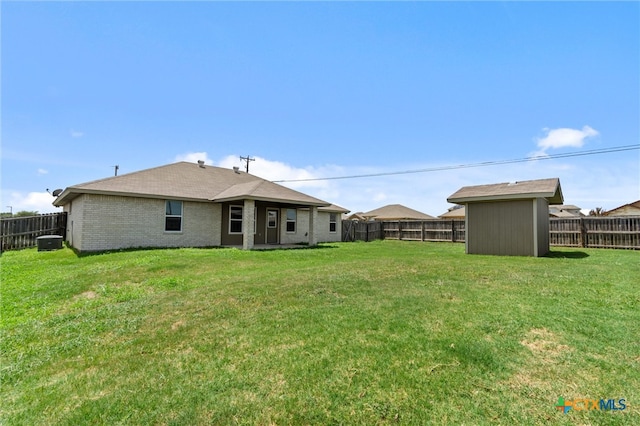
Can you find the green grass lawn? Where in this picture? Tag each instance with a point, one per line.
(349, 333)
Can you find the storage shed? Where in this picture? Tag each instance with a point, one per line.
(508, 218)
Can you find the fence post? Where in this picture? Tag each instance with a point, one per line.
(399, 230)
(422, 230)
(583, 233)
(453, 231)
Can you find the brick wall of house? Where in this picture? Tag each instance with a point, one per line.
(75, 212)
(113, 222)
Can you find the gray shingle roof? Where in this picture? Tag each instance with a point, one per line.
(396, 212)
(334, 208)
(540, 188)
(189, 181)
(454, 213)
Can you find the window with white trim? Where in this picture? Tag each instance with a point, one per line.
(292, 216)
(235, 219)
(173, 216)
(333, 220)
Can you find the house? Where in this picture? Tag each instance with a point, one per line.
(631, 209)
(455, 212)
(564, 211)
(355, 217)
(508, 218)
(395, 212)
(193, 205)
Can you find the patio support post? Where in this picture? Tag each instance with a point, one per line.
(248, 225)
(313, 221)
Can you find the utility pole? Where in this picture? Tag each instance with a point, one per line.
(247, 159)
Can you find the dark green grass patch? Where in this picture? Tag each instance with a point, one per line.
(377, 333)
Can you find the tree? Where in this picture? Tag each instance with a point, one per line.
(598, 211)
(25, 213)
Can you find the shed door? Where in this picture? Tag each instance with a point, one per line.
(272, 226)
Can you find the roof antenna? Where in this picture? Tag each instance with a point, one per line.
(247, 159)
(116, 167)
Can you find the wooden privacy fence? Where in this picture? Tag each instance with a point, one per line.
(425, 230)
(594, 232)
(21, 232)
(361, 231)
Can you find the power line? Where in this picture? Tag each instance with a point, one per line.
(471, 165)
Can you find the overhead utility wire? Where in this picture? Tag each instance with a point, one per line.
(483, 164)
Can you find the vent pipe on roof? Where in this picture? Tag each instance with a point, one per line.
(201, 164)
(236, 169)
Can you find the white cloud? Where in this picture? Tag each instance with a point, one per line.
(32, 201)
(42, 172)
(194, 157)
(76, 133)
(564, 137)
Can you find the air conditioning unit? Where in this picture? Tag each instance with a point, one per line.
(49, 242)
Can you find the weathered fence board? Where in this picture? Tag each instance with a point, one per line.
(595, 232)
(425, 230)
(21, 232)
(362, 231)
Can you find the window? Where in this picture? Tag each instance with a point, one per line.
(272, 219)
(332, 222)
(235, 219)
(173, 216)
(291, 220)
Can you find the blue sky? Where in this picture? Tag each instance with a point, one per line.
(323, 89)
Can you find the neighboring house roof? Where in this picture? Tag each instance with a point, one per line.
(563, 207)
(396, 212)
(356, 216)
(454, 213)
(564, 210)
(540, 188)
(625, 210)
(189, 181)
(563, 213)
